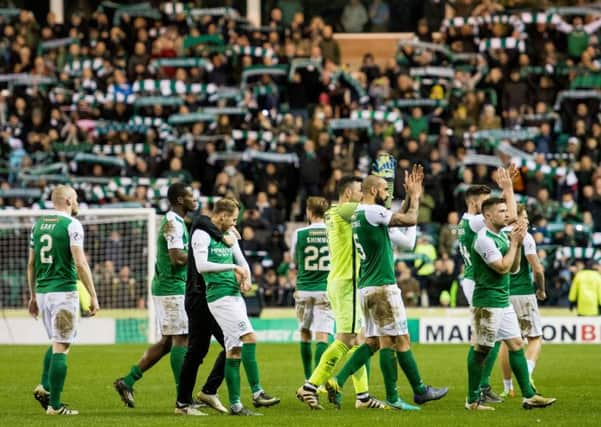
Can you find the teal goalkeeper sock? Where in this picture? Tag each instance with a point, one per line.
(519, 366)
(57, 374)
(357, 360)
(409, 367)
(178, 353)
(389, 373)
(489, 364)
(45, 380)
(135, 374)
(232, 379)
(305, 350)
(320, 348)
(249, 360)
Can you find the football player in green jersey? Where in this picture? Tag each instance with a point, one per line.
(494, 257)
(168, 288)
(310, 254)
(343, 297)
(523, 295)
(226, 273)
(381, 303)
(56, 260)
(472, 222)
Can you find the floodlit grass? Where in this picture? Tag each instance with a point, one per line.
(572, 373)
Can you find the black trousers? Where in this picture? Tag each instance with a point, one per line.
(201, 326)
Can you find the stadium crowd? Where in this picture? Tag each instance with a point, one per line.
(122, 101)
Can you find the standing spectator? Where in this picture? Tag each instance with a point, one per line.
(354, 17)
(408, 285)
(330, 49)
(585, 293)
(379, 15)
(309, 174)
(448, 235)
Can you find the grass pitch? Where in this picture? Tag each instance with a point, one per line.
(572, 373)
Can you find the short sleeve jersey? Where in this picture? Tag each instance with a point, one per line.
(51, 239)
(312, 257)
(491, 288)
(340, 243)
(370, 232)
(468, 228)
(170, 279)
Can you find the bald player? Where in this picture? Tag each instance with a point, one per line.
(56, 260)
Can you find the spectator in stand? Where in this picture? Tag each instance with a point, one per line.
(330, 49)
(585, 292)
(447, 239)
(408, 284)
(354, 17)
(379, 15)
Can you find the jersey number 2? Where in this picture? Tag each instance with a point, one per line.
(45, 256)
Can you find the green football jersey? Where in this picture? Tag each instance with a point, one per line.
(312, 257)
(340, 243)
(223, 283)
(521, 283)
(491, 288)
(170, 279)
(51, 239)
(370, 232)
(466, 234)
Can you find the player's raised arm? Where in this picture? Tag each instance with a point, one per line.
(505, 182)
(414, 188)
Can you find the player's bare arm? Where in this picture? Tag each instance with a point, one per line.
(539, 276)
(177, 256)
(33, 305)
(85, 274)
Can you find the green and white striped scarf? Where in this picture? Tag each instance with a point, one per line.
(183, 62)
(240, 134)
(172, 87)
(502, 43)
(391, 117)
(180, 119)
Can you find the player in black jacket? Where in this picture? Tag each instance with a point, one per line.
(201, 326)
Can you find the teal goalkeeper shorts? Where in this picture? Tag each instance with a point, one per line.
(347, 311)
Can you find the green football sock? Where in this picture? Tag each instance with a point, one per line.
(474, 372)
(357, 361)
(320, 348)
(232, 379)
(178, 353)
(45, 381)
(409, 367)
(249, 360)
(519, 366)
(57, 374)
(305, 350)
(328, 362)
(489, 363)
(389, 373)
(368, 368)
(135, 374)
